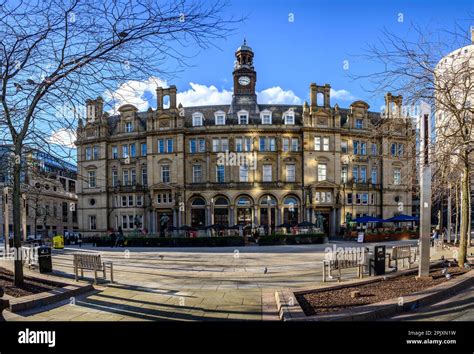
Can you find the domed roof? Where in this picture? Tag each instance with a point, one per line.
(244, 47)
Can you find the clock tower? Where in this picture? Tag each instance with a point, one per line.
(245, 78)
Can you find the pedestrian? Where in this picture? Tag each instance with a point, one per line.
(113, 238)
(434, 237)
(79, 239)
(119, 241)
(443, 236)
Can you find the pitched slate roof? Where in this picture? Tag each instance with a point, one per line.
(231, 118)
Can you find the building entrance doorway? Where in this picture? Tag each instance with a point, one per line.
(244, 216)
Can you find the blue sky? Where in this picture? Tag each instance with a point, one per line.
(290, 55)
(313, 48)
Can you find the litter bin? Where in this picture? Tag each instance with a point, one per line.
(378, 260)
(45, 262)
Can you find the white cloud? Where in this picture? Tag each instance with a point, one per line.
(63, 137)
(202, 95)
(142, 95)
(342, 95)
(135, 92)
(276, 95)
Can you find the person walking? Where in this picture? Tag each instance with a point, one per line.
(79, 239)
(113, 238)
(434, 237)
(119, 241)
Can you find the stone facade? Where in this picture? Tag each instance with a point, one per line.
(48, 191)
(225, 164)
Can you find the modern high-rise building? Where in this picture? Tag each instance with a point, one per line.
(227, 164)
(454, 107)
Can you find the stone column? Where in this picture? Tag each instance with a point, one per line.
(332, 225)
(280, 213)
(208, 215)
(149, 221)
(231, 215)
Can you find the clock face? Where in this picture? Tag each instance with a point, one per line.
(244, 80)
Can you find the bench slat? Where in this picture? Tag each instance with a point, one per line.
(88, 261)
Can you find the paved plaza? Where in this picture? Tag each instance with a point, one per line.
(189, 283)
(459, 307)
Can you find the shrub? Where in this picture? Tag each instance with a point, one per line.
(281, 239)
(132, 241)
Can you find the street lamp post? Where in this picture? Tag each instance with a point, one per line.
(425, 200)
(6, 219)
(23, 216)
(269, 215)
(212, 211)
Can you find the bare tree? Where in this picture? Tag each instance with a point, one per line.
(55, 54)
(423, 72)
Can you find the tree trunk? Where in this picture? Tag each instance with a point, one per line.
(18, 276)
(450, 218)
(456, 227)
(465, 195)
(469, 213)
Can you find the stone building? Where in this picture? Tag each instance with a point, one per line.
(48, 188)
(227, 164)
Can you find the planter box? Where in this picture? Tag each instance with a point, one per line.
(387, 236)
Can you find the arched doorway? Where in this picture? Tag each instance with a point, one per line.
(290, 210)
(244, 210)
(221, 211)
(268, 205)
(198, 212)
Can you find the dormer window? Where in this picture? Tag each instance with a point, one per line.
(289, 118)
(219, 118)
(359, 123)
(197, 119)
(128, 127)
(243, 117)
(266, 117)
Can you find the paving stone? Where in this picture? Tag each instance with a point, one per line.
(210, 280)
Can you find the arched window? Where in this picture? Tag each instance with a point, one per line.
(198, 202)
(221, 211)
(198, 212)
(264, 200)
(221, 201)
(244, 201)
(290, 201)
(290, 210)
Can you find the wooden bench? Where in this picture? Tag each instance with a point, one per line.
(345, 260)
(91, 262)
(401, 253)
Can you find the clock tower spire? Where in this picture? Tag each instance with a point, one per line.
(245, 79)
